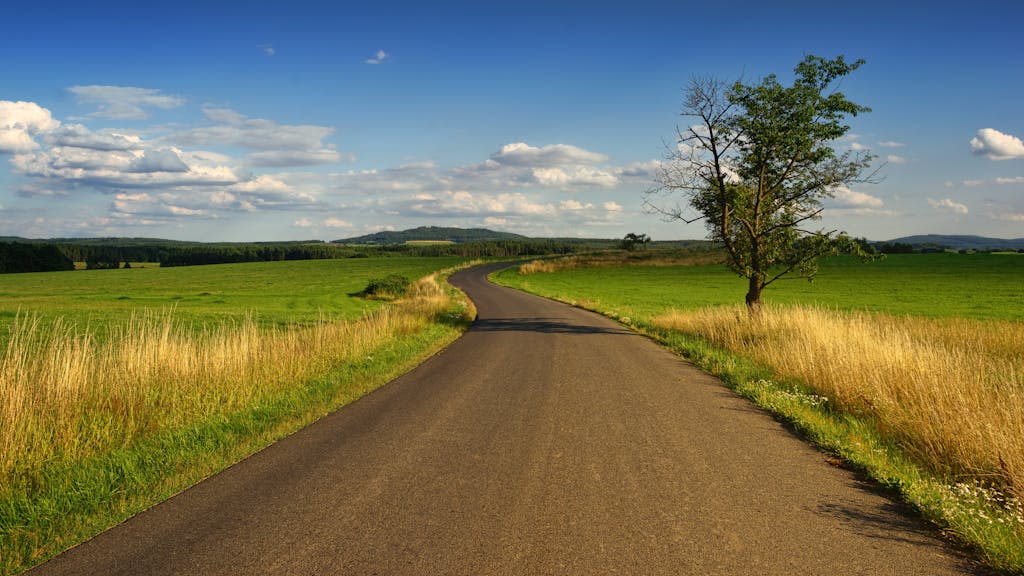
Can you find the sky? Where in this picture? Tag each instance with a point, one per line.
(265, 121)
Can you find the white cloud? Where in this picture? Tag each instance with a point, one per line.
(857, 146)
(153, 207)
(333, 222)
(843, 197)
(78, 136)
(894, 159)
(522, 154)
(573, 177)
(461, 203)
(378, 58)
(998, 181)
(124, 102)
(19, 122)
(119, 169)
(644, 171)
(948, 205)
(997, 145)
(161, 160)
(891, 144)
(849, 202)
(267, 49)
(612, 206)
(303, 223)
(574, 205)
(276, 144)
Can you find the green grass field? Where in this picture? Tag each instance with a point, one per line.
(277, 293)
(982, 286)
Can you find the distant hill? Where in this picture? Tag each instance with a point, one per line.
(111, 241)
(432, 233)
(959, 242)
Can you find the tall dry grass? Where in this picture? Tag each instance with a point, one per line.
(950, 391)
(65, 396)
(617, 259)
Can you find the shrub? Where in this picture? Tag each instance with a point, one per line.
(387, 288)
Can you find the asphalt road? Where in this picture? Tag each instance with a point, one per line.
(547, 440)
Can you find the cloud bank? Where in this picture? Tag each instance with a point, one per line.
(228, 164)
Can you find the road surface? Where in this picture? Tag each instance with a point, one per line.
(547, 440)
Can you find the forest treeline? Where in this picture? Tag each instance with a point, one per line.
(18, 257)
(38, 256)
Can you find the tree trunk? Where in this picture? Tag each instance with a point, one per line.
(754, 297)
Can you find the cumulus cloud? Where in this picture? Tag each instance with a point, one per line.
(894, 159)
(997, 145)
(948, 205)
(377, 58)
(844, 197)
(124, 102)
(462, 203)
(522, 154)
(118, 169)
(149, 206)
(333, 222)
(851, 202)
(20, 122)
(303, 223)
(573, 177)
(160, 160)
(78, 136)
(644, 171)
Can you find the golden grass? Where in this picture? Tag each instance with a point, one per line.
(65, 396)
(617, 259)
(951, 391)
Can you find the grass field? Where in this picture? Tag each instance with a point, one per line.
(984, 286)
(909, 368)
(119, 388)
(279, 293)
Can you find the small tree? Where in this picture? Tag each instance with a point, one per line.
(757, 164)
(632, 240)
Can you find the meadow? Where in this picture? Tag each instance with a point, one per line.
(982, 286)
(119, 388)
(277, 293)
(910, 368)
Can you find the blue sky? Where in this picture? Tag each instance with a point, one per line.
(217, 121)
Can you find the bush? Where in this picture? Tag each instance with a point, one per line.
(387, 288)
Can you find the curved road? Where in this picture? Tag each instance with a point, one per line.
(547, 440)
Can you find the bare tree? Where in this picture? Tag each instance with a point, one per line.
(756, 164)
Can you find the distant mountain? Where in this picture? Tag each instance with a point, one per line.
(432, 233)
(960, 242)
